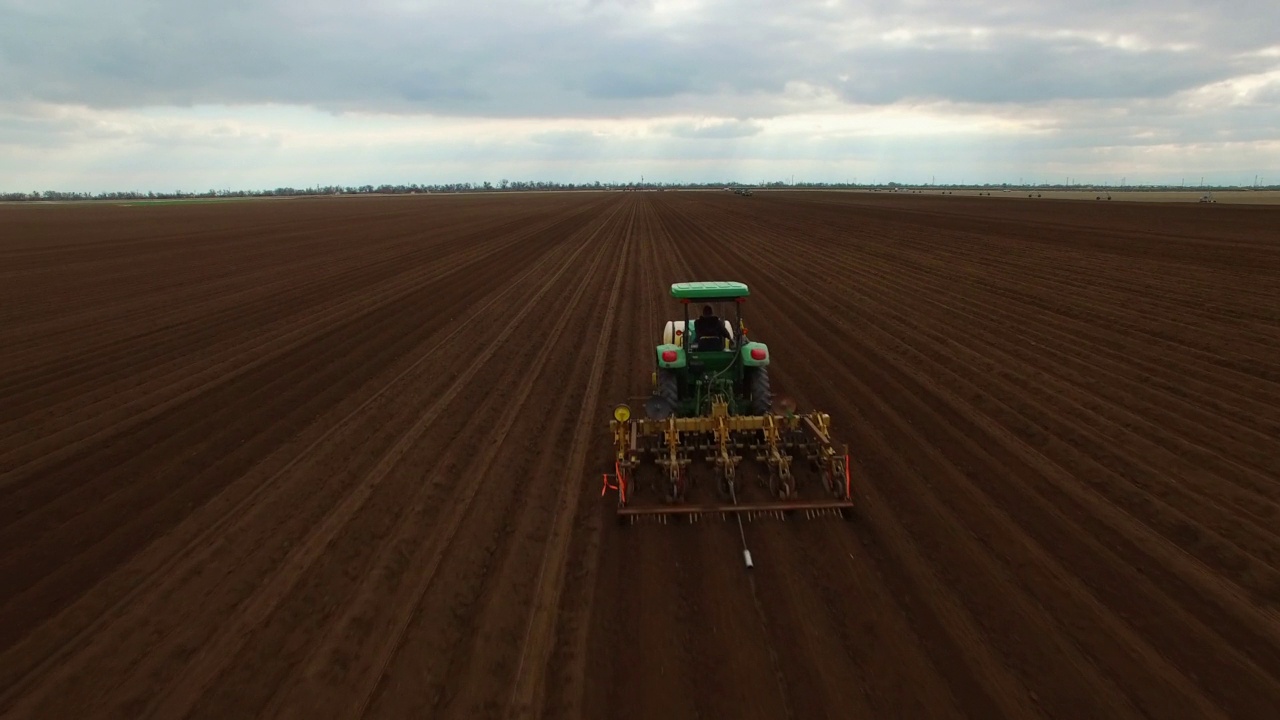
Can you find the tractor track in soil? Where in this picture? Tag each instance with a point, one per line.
(341, 458)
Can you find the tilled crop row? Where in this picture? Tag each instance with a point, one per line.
(343, 457)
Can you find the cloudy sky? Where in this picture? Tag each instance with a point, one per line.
(167, 94)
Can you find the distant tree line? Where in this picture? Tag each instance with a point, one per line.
(543, 185)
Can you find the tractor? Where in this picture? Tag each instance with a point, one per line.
(711, 400)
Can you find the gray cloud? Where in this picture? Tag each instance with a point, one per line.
(601, 59)
(1023, 70)
(1098, 78)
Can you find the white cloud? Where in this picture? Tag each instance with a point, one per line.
(695, 87)
(721, 129)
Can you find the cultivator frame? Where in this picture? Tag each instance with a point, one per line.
(722, 440)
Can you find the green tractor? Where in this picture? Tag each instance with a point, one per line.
(711, 401)
(709, 357)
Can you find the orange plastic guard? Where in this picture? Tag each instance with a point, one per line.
(620, 485)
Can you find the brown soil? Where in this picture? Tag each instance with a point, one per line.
(342, 458)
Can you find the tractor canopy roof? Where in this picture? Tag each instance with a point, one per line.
(709, 290)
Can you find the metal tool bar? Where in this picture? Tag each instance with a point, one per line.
(771, 506)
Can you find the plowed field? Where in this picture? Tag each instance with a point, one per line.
(341, 458)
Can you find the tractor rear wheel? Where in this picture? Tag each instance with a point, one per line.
(667, 386)
(758, 386)
(666, 396)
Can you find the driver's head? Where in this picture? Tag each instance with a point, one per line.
(706, 311)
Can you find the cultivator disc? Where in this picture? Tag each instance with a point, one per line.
(685, 469)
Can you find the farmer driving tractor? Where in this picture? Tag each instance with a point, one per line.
(710, 331)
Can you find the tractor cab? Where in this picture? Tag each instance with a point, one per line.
(706, 354)
(721, 299)
(712, 326)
